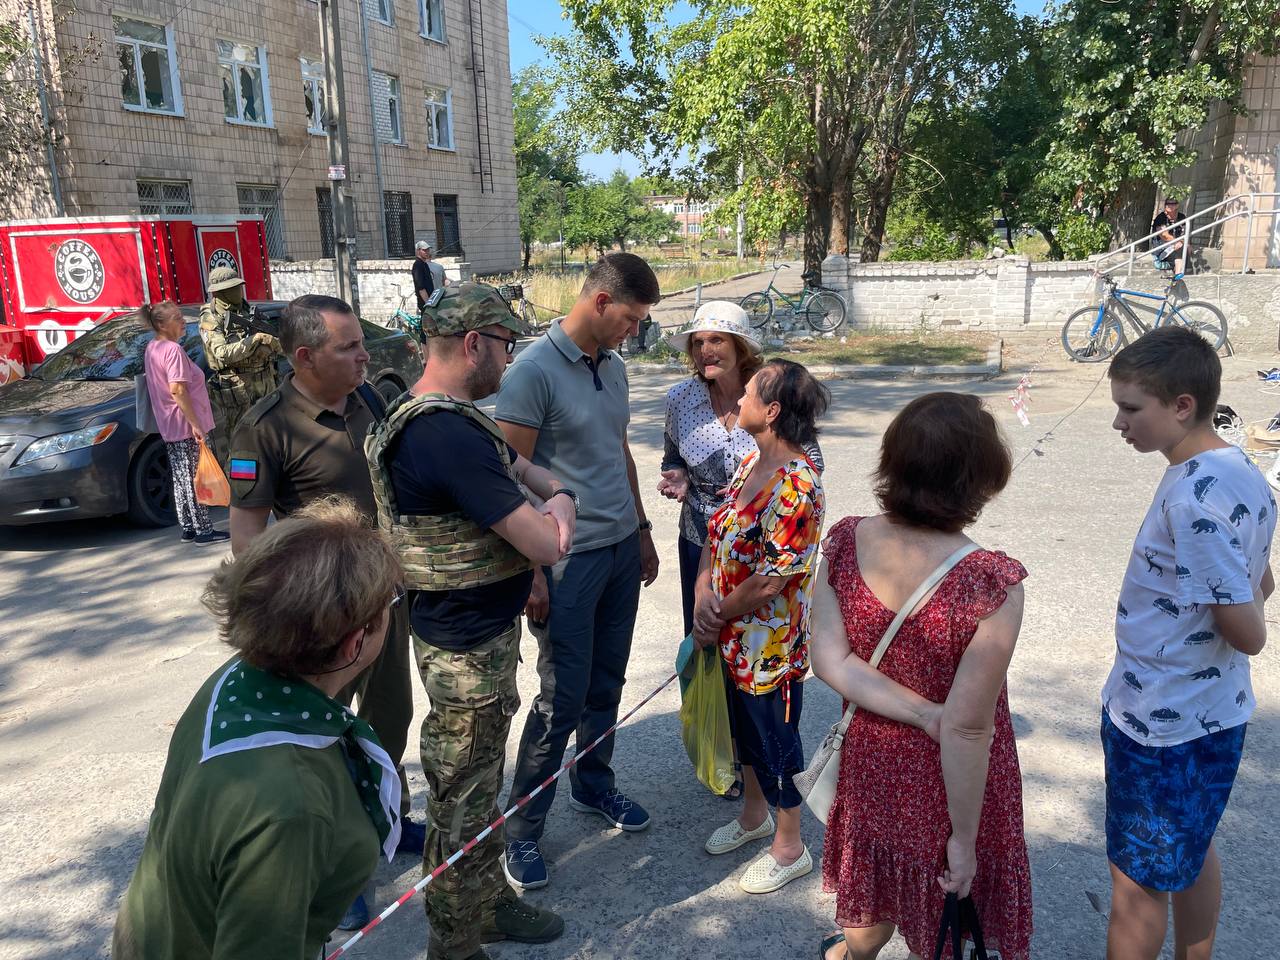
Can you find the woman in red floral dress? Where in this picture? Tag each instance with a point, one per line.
(923, 807)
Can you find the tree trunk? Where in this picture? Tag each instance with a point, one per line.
(880, 193)
(841, 215)
(1129, 214)
(1055, 248)
(528, 254)
(817, 228)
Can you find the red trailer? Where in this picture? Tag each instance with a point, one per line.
(60, 277)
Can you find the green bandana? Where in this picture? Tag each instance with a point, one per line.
(251, 708)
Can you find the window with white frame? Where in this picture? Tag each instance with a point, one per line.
(379, 10)
(313, 94)
(387, 99)
(431, 19)
(246, 94)
(164, 198)
(440, 118)
(148, 66)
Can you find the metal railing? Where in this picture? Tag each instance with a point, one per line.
(1232, 208)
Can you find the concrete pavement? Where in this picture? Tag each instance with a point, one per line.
(105, 642)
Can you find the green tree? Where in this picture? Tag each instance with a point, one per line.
(1132, 75)
(546, 160)
(600, 216)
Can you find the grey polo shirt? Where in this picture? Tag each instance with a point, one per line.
(581, 416)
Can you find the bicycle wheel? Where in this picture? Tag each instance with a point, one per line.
(826, 311)
(529, 315)
(1087, 345)
(1205, 319)
(759, 307)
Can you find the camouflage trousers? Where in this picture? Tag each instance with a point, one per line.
(464, 738)
(231, 394)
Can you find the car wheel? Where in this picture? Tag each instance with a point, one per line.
(151, 486)
(390, 390)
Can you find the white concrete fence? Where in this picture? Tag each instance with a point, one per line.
(1012, 294)
(385, 285)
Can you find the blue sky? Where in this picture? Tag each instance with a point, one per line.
(529, 18)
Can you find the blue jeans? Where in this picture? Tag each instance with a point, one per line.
(583, 650)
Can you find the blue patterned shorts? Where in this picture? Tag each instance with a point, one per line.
(1164, 803)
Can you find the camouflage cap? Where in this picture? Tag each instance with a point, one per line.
(467, 306)
(223, 278)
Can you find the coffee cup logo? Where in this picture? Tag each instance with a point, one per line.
(223, 257)
(79, 272)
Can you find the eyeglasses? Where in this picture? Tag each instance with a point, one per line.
(508, 342)
(398, 598)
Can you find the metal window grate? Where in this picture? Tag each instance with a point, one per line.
(324, 207)
(397, 208)
(264, 201)
(164, 198)
(448, 231)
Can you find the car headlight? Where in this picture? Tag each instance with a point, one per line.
(66, 442)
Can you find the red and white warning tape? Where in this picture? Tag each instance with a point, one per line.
(484, 834)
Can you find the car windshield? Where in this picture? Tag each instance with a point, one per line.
(110, 351)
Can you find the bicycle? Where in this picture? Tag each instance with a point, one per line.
(1093, 334)
(523, 308)
(824, 309)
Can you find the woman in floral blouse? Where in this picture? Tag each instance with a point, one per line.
(752, 600)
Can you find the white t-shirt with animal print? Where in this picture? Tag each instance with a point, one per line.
(1206, 540)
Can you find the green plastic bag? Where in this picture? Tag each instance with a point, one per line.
(704, 721)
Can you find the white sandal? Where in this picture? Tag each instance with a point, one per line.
(731, 836)
(766, 875)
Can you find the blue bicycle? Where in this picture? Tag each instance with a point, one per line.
(1093, 334)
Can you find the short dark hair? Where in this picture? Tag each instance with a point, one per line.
(941, 460)
(625, 277)
(1171, 361)
(801, 397)
(302, 323)
(1169, 200)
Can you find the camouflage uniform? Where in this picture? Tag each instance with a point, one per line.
(243, 372)
(472, 692)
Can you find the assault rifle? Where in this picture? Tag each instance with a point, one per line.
(255, 323)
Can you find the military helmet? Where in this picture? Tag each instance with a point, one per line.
(223, 278)
(467, 306)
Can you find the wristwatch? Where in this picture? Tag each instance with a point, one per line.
(645, 525)
(577, 504)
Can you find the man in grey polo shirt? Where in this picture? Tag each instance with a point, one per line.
(564, 405)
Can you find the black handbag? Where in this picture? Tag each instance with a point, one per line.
(960, 917)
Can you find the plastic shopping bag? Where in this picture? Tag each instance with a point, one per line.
(704, 720)
(212, 488)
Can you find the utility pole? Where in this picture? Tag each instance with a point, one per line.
(335, 124)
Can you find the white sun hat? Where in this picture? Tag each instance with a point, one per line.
(721, 316)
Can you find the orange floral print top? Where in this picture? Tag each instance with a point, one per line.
(775, 535)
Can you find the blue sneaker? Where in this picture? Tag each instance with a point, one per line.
(524, 866)
(413, 837)
(357, 915)
(616, 808)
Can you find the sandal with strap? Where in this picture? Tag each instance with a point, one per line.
(830, 942)
(735, 789)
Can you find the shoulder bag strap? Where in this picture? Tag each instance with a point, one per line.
(373, 400)
(913, 601)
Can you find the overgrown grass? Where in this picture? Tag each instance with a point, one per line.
(552, 293)
(890, 349)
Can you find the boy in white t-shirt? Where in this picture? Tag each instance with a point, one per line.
(1178, 699)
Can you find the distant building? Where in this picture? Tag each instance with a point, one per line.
(216, 107)
(689, 214)
(1240, 154)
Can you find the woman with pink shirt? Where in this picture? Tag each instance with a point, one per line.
(180, 401)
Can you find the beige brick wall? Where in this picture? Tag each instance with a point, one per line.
(1239, 154)
(110, 148)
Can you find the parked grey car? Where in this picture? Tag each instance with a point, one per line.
(69, 444)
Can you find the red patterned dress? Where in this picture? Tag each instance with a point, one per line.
(887, 832)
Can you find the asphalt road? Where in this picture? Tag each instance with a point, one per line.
(105, 642)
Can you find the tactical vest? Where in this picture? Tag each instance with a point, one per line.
(447, 551)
